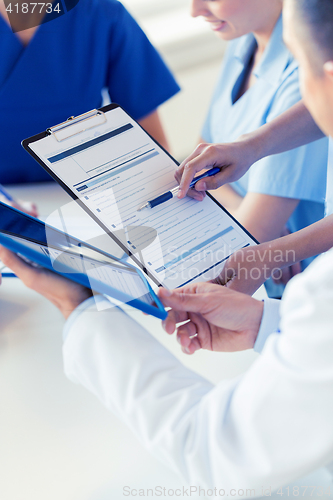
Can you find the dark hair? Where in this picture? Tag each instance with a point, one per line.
(318, 18)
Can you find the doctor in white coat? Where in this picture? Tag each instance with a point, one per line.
(264, 429)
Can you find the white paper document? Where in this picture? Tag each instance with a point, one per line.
(113, 169)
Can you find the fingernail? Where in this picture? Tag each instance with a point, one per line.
(166, 292)
(180, 194)
(186, 350)
(178, 339)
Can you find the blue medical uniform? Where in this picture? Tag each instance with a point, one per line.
(63, 71)
(299, 174)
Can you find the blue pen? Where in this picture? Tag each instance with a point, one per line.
(6, 274)
(5, 193)
(173, 192)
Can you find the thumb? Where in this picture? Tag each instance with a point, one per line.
(215, 181)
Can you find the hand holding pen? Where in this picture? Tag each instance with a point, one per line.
(174, 192)
(233, 160)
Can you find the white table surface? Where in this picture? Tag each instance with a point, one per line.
(57, 441)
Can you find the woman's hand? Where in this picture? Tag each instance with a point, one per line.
(282, 276)
(217, 319)
(233, 159)
(63, 293)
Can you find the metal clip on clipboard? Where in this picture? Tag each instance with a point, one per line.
(78, 124)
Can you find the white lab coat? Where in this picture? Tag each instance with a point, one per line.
(268, 427)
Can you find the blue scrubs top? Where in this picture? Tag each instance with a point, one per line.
(299, 174)
(63, 71)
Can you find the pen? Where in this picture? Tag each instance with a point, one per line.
(6, 274)
(170, 194)
(5, 193)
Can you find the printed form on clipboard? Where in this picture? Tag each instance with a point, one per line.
(111, 166)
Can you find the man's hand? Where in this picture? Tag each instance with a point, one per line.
(63, 293)
(233, 159)
(247, 269)
(217, 319)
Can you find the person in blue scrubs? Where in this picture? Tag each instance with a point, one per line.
(59, 69)
(259, 81)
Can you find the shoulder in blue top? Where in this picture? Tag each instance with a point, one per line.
(299, 174)
(63, 71)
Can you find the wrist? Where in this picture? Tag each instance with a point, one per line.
(286, 251)
(277, 254)
(66, 307)
(254, 146)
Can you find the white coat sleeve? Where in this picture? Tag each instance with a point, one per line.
(267, 427)
(270, 322)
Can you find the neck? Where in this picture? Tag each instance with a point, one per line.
(25, 35)
(3, 11)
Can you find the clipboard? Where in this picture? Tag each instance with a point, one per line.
(106, 155)
(43, 245)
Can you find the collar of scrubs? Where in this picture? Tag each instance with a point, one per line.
(4, 26)
(15, 52)
(275, 59)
